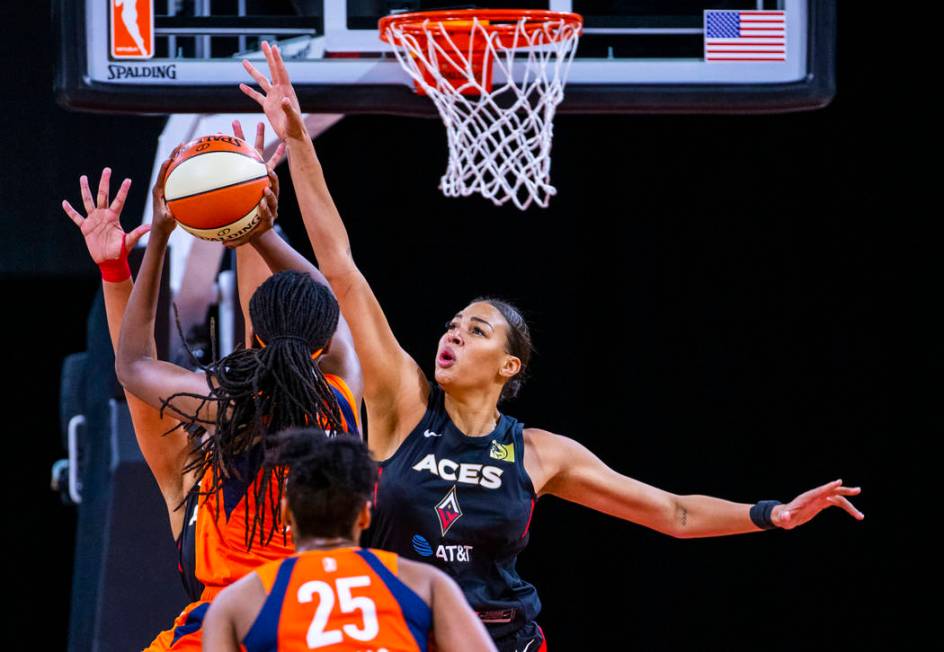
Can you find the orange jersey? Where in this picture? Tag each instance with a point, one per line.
(220, 537)
(212, 547)
(186, 634)
(340, 600)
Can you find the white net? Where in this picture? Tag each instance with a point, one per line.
(496, 92)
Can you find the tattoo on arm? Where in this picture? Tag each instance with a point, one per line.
(683, 515)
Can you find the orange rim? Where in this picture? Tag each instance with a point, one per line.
(501, 21)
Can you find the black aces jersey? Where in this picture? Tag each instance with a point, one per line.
(463, 504)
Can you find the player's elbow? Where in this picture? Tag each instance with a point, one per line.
(127, 370)
(122, 371)
(679, 520)
(662, 516)
(338, 267)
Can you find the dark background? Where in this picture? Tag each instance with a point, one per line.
(709, 298)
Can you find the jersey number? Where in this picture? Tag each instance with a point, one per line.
(317, 636)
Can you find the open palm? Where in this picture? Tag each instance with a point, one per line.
(807, 505)
(274, 91)
(101, 227)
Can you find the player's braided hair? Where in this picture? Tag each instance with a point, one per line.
(329, 479)
(264, 390)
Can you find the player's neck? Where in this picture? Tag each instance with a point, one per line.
(475, 414)
(324, 543)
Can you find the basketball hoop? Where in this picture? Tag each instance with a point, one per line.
(498, 115)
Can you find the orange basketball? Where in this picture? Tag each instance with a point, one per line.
(214, 185)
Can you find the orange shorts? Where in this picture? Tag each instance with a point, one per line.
(186, 634)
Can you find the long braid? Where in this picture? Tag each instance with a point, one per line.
(265, 390)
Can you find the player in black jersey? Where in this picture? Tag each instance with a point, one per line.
(458, 478)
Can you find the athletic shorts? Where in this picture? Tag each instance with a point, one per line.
(529, 638)
(186, 634)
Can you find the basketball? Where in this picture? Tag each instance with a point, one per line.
(214, 185)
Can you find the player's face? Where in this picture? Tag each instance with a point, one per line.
(473, 351)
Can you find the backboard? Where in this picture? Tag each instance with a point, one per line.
(182, 56)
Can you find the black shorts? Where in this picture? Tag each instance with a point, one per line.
(529, 638)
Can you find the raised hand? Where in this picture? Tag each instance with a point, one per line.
(268, 212)
(295, 123)
(276, 157)
(807, 505)
(269, 204)
(162, 221)
(274, 92)
(101, 228)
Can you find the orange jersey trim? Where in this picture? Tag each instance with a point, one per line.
(341, 385)
(267, 573)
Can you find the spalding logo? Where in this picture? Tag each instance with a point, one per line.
(117, 71)
(421, 546)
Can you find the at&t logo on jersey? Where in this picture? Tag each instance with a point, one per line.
(480, 474)
(452, 553)
(421, 546)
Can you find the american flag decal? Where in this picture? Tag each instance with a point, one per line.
(745, 36)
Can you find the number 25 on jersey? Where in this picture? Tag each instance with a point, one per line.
(318, 633)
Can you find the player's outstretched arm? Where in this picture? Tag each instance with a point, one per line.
(138, 369)
(395, 388)
(251, 270)
(562, 467)
(108, 246)
(270, 254)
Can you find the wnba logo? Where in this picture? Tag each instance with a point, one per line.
(132, 29)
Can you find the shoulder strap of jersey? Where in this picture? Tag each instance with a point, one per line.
(263, 633)
(416, 613)
(517, 435)
(388, 559)
(268, 572)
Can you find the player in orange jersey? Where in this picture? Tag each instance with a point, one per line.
(231, 523)
(333, 595)
(108, 246)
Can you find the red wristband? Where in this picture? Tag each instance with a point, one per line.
(117, 270)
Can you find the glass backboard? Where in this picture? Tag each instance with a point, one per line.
(182, 56)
